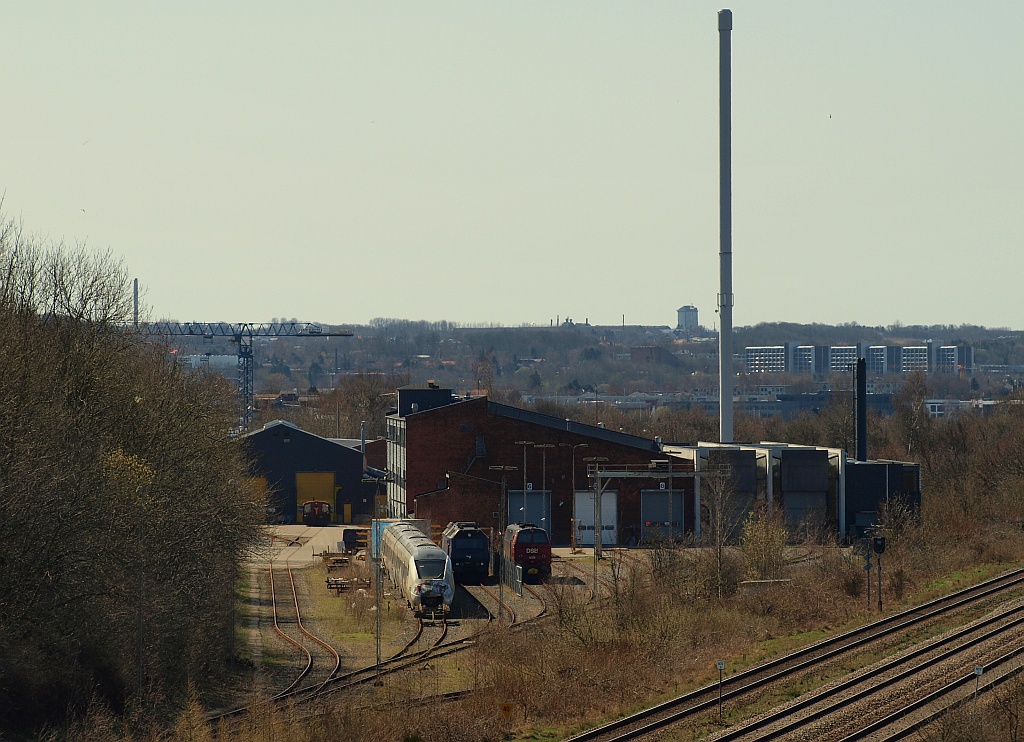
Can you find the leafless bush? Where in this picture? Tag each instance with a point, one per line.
(122, 504)
(763, 542)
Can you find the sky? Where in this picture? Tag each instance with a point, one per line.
(524, 162)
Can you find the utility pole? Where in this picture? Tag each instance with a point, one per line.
(572, 534)
(595, 462)
(878, 546)
(543, 472)
(501, 531)
(142, 582)
(524, 444)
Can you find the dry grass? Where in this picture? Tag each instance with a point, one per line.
(585, 663)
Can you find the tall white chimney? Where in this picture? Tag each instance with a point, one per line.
(725, 298)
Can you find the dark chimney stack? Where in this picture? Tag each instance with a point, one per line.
(862, 410)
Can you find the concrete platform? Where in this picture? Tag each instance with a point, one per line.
(298, 545)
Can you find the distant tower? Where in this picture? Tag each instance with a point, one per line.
(687, 319)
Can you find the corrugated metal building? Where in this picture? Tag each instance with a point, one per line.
(296, 467)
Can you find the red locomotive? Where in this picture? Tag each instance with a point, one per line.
(529, 547)
(316, 513)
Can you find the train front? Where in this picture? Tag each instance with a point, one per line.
(469, 550)
(532, 551)
(434, 587)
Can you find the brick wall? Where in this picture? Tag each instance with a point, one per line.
(445, 440)
(467, 498)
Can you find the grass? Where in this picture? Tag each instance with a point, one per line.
(572, 675)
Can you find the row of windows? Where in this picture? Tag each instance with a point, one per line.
(879, 359)
(396, 431)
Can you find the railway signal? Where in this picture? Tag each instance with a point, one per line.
(721, 666)
(879, 546)
(867, 569)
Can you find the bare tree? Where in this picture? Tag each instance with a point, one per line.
(723, 510)
(117, 474)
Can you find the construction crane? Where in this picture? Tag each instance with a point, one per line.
(241, 334)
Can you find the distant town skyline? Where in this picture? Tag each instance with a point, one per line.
(512, 163)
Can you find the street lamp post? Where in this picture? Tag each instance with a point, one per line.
(543, 471)
(524, 444)
(501, 531)
(596, 460)
(572, 534)
(378, 588)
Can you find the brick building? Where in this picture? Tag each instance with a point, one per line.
(441, 462)
(448, 462)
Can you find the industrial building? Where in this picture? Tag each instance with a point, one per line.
(457, 459)
(294, 467)
(497, 464)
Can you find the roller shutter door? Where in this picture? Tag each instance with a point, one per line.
(313, 485)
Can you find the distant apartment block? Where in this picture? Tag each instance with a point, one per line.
(880, 360)
(803, 359)
(766, 359)
(949, 359)
(876, 358)
(842, 358)
(914, 358)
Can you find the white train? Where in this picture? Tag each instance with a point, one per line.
(420, 569)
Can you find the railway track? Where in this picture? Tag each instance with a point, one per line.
(501, 603)
(431, 632)
(842, 708)
(589, 575)
(438, 640)
(704, 701)
(322, 659)
(435, 638)
(907, 720)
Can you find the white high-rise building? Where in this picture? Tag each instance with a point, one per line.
(687, 319)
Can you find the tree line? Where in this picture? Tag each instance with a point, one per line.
(123, 510)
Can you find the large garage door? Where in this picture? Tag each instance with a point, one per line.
(313, 485)
(534, 507)
(662, 517)
(586, 516)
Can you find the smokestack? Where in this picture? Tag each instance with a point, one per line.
(725, 298)
(362, 442)
(862, 410)
(135, 304)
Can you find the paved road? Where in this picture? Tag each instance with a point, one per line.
(298, 545)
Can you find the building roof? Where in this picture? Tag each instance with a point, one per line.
(558, 423)
(292, 426)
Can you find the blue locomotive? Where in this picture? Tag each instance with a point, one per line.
(468, 547)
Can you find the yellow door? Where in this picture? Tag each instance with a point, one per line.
(258, 487)
(313, 485)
